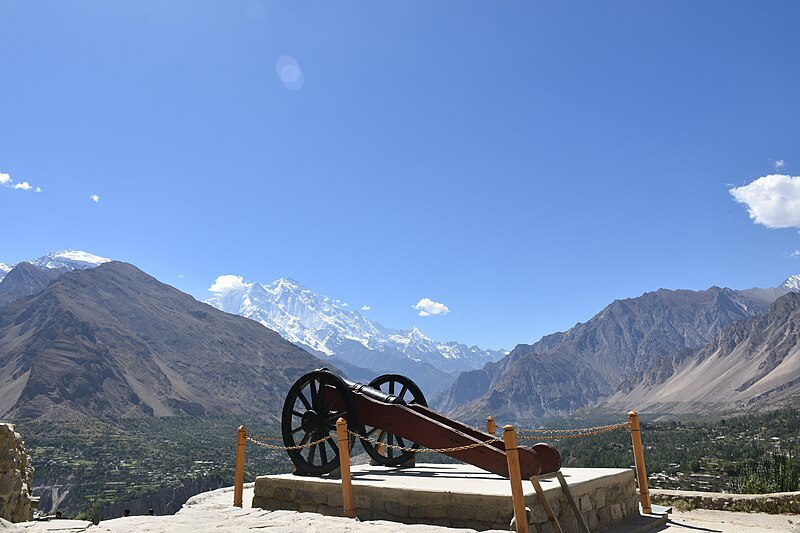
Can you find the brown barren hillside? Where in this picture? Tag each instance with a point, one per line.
(114, 341)
(752, 364)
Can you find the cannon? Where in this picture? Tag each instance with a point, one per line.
(390, 410)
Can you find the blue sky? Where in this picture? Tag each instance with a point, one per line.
(523, 163)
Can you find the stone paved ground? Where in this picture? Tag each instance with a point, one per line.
(212, 512)
(701, 520)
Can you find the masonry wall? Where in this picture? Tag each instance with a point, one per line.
(16, 474)
(602, 503)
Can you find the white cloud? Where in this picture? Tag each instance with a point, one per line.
(180, 275)
(228, 283)
(428, 307)
(6, 181)
(779, 164)
(773, 200)
(95, 198)
(345, 304)
(796, 253)
(365, 308)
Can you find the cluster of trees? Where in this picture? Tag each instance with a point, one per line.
(101, 462)
(105, 462)
(746, 454)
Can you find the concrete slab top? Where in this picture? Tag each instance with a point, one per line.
(462, 479)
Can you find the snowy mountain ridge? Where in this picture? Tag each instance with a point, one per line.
(4, 269)
(792, 283)
(325, 326)
(64, 260)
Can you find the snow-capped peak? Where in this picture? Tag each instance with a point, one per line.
(70, 260)
(4, 269)
(792, 284)
(417, 335)
(327, 326)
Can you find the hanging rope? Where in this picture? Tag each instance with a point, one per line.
(560, 434)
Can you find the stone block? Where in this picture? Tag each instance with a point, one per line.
(592, 520)
(599, 498)
(538, 516)
(585, 503)
(616, 512)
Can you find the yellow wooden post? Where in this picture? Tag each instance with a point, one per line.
(512, 456)
(238, 480)
(344, 467)
(491, 427)
(638, 456)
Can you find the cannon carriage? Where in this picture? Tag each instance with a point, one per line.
(392, 419)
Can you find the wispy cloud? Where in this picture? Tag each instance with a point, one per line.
(796, 253)
(6, 181)
(779, 164)
(95, 198)
(428, 307)
(365, 308)
(773, 201)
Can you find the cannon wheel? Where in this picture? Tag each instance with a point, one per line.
(308, 417)
(407, 390)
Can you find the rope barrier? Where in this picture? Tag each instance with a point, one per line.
(255, 440)
(559, 434)
(535, 434)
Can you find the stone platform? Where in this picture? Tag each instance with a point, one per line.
(455, 496)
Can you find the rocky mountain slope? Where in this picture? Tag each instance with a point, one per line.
(28, 278)
(24, 280)
(754, 363)
(327, 328)
(568, 370)
(114, 341)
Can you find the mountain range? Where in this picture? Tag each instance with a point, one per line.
(753, 363)
(80, 334)
(361, 347)
(625, 342)
(114, 341)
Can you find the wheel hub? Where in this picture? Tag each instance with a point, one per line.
(311, 421)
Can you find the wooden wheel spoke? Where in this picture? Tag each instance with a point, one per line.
(389, 441)
(403, 391)
(312, 451)
(305, 440)
(295, 430)
(314, 393)
(391, 387)
(370, 432)
(303, 399)
(400, 441)
(334, 446)
(323, 453)
(297, 413)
